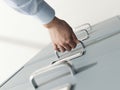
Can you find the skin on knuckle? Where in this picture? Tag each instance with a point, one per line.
(54, 46)
(66, 46)
(69, 48)
(62, 50)
(74, 45)
(68, 41)
(62, 44)
(56, 49)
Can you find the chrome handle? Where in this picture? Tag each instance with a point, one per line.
(56, 65)
(75, 55)
(86, 26)
(63, 62)
(81, 30)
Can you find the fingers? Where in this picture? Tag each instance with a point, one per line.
(62, 49)
(67, 46)
(75, 39)
(59, 48)
(73, 44)
(56, 48)
(67, 43)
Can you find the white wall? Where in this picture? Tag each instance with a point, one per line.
(21, 37)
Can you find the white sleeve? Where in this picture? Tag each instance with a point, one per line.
(37, 8)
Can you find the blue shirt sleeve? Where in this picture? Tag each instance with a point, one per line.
(37, 8)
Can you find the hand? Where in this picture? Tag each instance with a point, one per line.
(62, 35)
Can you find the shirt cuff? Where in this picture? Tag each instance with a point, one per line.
(45, 13)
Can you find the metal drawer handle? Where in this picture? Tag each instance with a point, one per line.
(83, 30)
(73, 54)
(86, 26)
(63, 61)
(51, 67)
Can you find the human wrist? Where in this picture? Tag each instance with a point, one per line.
(52, 24)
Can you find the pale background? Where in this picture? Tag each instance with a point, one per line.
(22, 37)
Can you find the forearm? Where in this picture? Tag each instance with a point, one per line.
(61, 33)
(36, 8)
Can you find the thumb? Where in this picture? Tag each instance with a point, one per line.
(75, 39)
